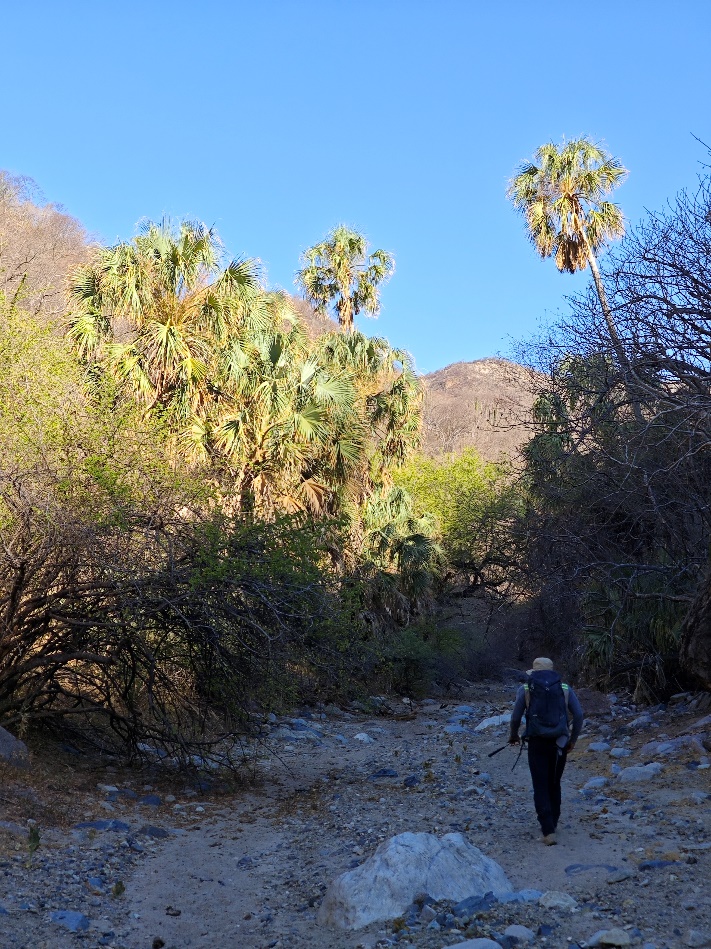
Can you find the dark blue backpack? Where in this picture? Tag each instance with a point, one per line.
(546, 705)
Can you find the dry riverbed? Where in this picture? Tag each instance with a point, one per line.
(179, 864)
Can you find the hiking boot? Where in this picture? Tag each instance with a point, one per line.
(550, 839)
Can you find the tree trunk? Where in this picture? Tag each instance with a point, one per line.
(695, 645)
(612, 329)
(345, 312)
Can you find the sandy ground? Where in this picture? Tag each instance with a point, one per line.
(251, 870)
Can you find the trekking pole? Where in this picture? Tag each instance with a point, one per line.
(520, 752)
(492, 753)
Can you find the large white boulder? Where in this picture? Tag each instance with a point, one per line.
(493, 721)
(404, 867)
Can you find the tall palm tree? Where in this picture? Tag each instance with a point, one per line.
(339, 272)
(562, 196)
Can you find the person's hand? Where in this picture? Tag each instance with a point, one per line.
(570, 746)
(514, 740)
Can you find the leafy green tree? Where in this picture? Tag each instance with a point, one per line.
(339, 272)
(562, 196)
(472, 503)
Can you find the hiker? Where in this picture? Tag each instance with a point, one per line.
(549, 705)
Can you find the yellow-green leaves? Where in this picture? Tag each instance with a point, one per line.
(561, 195)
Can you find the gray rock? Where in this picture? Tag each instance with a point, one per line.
(673, 746)
(117, 826)
(555, 900)
(428, 913)
(159, 833)
(620, 752)
(382, 888)
(473, 905)
(493, 721)
(17, 830)
(599, 746)
(639, 773)
(619, 876)
(13, 751)
(594, 784)
(609, 937)
(696, 938)
(455, 729)
(382, 773)
(366, 739)
(520, 934)
(476, 944)
(656, 864)
(150, 800)
(70, 919)
(522, 896)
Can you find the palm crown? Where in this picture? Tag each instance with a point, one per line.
(340, 272)
(562, 195)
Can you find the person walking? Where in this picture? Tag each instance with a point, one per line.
(549, 705)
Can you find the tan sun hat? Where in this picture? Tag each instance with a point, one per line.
(541, 665)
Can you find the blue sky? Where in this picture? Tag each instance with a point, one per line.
(277, 120)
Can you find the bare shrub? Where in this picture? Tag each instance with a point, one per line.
(39, 246)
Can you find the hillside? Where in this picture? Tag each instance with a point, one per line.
(484, 404)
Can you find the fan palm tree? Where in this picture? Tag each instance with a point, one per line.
(291, 428)
(562, 196)
(339, 272)
(155, 311)
(390, 394)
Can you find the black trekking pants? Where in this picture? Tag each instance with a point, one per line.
(547, 763)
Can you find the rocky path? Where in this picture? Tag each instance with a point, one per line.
(249, 871)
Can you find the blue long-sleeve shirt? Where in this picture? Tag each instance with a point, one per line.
(575, 711)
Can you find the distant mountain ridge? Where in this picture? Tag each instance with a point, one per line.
(484, 404)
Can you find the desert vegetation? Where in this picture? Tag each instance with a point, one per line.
(215, 501)
(616, 534)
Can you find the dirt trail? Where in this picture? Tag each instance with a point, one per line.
(252, 875)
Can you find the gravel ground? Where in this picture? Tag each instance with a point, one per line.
(168, 863)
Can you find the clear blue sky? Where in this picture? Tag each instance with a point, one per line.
(277, 119)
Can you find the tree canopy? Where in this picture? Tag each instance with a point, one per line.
(339, 272)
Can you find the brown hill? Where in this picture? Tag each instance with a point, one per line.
(485, 404)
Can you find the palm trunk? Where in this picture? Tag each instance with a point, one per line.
(612, 329)
(345, 314)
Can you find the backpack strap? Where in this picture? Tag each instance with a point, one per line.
(527, 695)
